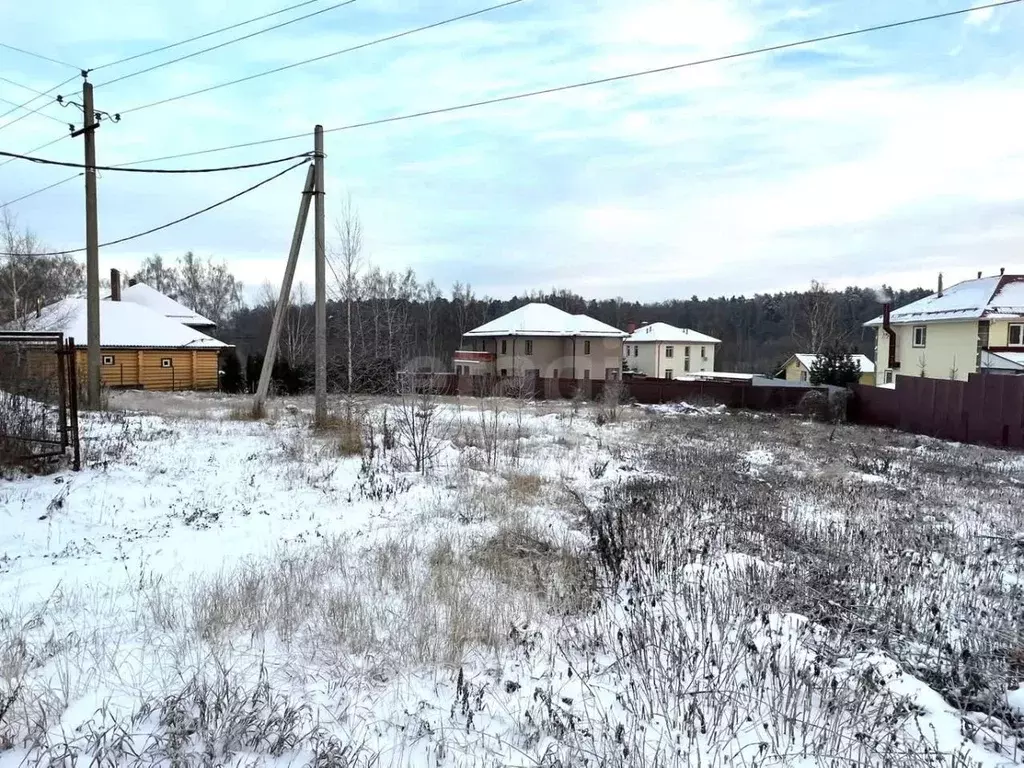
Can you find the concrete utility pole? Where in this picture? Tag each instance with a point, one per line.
(92, 246)
(281, 310)
(320, 378)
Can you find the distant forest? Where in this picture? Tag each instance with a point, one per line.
(395, 318)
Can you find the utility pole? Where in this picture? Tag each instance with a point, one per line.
(320, 256)
(281, 310)
(92, 247)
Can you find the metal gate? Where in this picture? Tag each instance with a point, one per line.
(38, 397)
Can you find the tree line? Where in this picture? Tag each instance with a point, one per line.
(380, 321)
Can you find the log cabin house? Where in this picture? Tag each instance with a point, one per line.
(139, 347)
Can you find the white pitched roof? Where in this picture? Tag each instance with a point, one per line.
(1000, 295)
(867, 365)
(666, 332)
(544, 320)
(122, 324)
(142, 294)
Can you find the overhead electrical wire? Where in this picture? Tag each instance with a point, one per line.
(63, 164)
(32, 101)
(31, 111)
(44, 189)
(40, 56)
(41, 146)
(583, 84)
(203, 36)
(224, 44)
(359, 47)
(208, 208)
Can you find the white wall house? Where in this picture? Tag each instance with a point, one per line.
(663, 351)
(973, 326)
(543, 341)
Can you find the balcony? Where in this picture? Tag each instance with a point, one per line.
(464, 357)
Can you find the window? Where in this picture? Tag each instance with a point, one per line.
(686, 364)
(627, 350)
(1015, 338)
(166, 363)
(504, 372)
(529, 346)
(636, 350)
(586, 347)
(888, 377)
(108, 359)
(554, 373)
(504, 347)
(803, 375)
(670, 351)
(586, 374)
(920, 335)
(668, 373)
(703, 353)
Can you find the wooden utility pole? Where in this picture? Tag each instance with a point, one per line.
(281, 310)
(92, 247)
(320, 255)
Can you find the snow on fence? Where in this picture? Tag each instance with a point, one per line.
(988, 409)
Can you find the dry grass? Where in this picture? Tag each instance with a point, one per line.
(247, 412)
(560, 573)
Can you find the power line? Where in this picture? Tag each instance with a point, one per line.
(30, 194)
(31, 111)
(40, 56)
(207, 209)
(225, 43)
(41, 146)
(31, 101)
(582, 84)
(62, 164)
(203, 36)
(324, 56)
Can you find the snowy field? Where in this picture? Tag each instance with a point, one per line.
(496, 583)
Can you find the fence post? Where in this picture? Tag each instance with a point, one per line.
(62, 392)
(72, 368)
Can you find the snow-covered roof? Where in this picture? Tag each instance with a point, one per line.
(996, 296)
(866, 364)
(142, 294)
(666, 332)
(1006, 361)
(122, 324)
(544, 320)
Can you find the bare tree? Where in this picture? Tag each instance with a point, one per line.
(817, 325)
(154, 273)
(346, 259)
(422, 426)
(207, 288)
(28, 278)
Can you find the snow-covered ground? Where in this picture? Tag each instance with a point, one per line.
(674, 586)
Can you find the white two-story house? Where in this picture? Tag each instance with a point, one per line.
(973, 326)
(662, 351)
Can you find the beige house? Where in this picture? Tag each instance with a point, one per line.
(662, 351)
(798, 368)
(543, 341)
(972, 327)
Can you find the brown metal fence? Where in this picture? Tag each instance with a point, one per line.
(38, 396)
(644, 391)
(988, 409)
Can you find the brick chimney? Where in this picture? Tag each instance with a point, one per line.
(940, 286)
(115, 285)
(630, 326)
(979, 274)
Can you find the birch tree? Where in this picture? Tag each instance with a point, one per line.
(346, 259)
(28, 277)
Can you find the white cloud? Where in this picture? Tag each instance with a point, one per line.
(742, 176)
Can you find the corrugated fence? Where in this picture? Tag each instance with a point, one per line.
(987, 409)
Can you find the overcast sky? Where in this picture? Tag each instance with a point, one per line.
(880, 158)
